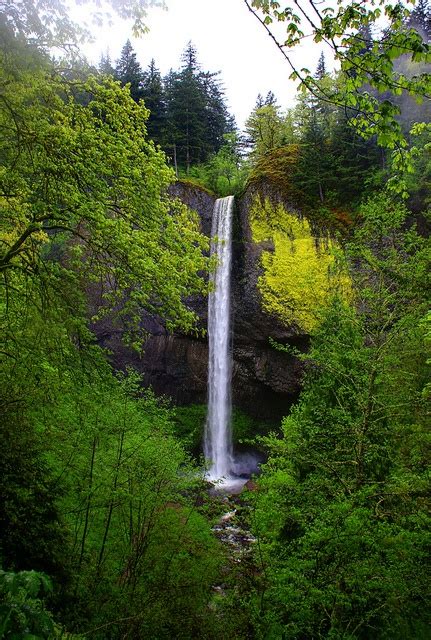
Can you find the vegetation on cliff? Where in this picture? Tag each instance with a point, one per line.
(300, 271)
(105, 521)
(342, 511)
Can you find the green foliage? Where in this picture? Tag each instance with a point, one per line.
(189, 423)
(187, 116)
(318, 161)
(265, 129)
(368, 62)
(22, 608)
(343, 507)
(196, 114)
(87, 175)
(300, 269)
(224, 173)
(418, 180)
(245, 428)
(32, 535)
(48, 23)
(154, 99)
(96, 491)
(420, 19)
(101, 497)
(277, 168)
(128, 71)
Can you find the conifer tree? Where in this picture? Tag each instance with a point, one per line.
(321, 67)
(315, 162)
(105, 64)
(259, 101)
(354, 160)
(270, 99)
(154, 98)
(218, 120)
(186, 111)
(420, 19)
(365, 35)
(129, 71)
(196, 114)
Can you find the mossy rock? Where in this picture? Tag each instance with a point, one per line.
(276, 176)
(301, 268)
(189, 424)
(196, 184)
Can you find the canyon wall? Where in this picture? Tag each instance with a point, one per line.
(280, 280)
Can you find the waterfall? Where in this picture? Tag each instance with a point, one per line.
(218, 440)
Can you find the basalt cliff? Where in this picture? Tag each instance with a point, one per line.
(280, 278)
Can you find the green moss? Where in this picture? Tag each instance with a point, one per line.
(278, 172)
(300, 269)
(196, 184)
(189, 424)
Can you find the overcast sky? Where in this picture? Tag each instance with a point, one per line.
(228, 38)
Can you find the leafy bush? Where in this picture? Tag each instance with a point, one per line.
(22, 608)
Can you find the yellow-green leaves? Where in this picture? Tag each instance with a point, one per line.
(87, 170)
(50, 23)
(300, 271)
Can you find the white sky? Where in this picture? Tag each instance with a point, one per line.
(228, 38)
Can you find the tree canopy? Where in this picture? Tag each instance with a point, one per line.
(47, 23)
(364, 59)
(86, 176)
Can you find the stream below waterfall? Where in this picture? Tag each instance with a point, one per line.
(232, 530)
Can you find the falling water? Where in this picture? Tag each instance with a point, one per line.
(218, 441)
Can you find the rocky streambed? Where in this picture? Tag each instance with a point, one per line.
(232, 529)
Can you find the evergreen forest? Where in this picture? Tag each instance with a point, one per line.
(109, 528)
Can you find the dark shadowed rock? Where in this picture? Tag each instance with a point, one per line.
(251, 485)
(198, 199)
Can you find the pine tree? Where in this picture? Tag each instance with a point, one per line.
(354, 160)
(218, 120)
(154, 98)
(186, 116)
(259, 101)
(420, 19)
(321, 67)
(189, 58)
(129, 71)
(366, 36)
(270, 99)
(105, 65)
(315, 163)
(196, 114)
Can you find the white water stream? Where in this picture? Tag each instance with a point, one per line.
(218, 440)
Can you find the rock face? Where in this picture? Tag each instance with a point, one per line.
(265, 380)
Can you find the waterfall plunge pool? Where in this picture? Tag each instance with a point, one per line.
(243, 466)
